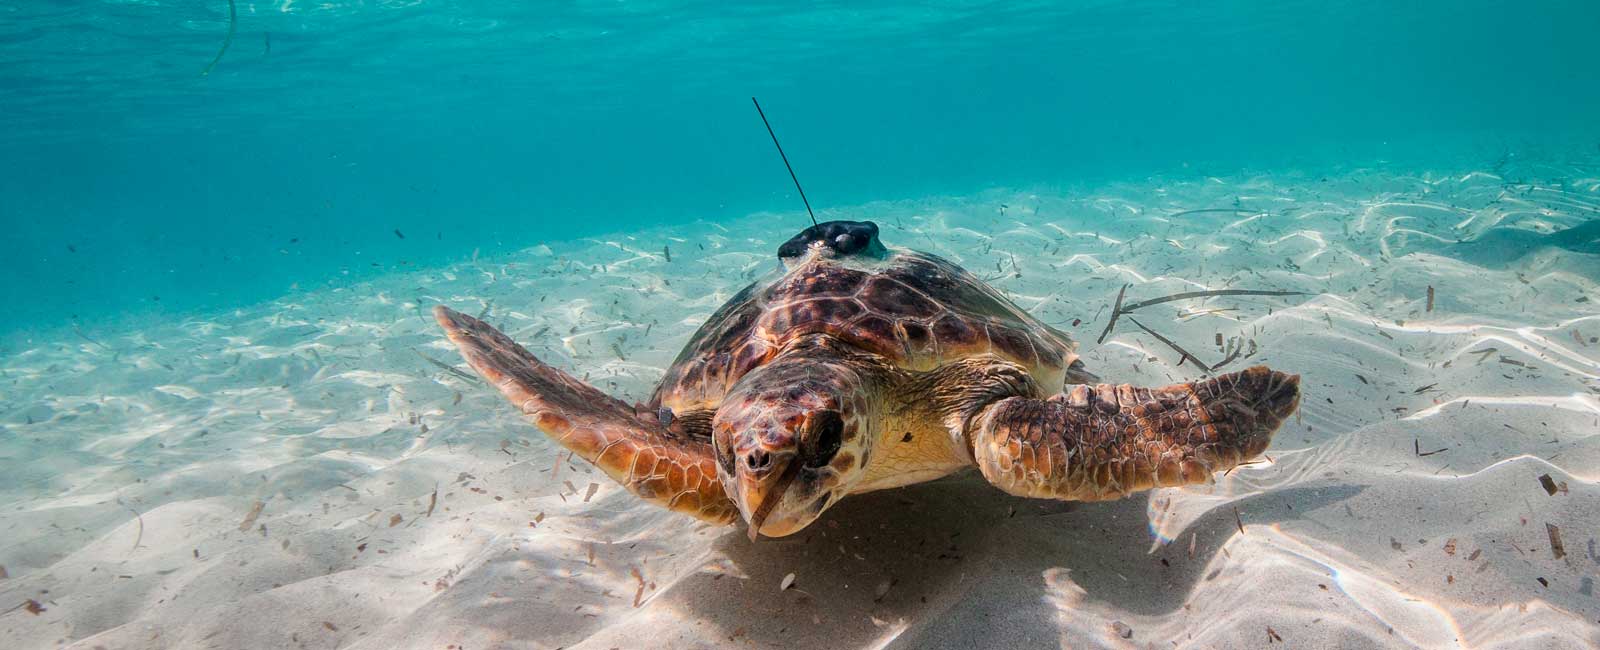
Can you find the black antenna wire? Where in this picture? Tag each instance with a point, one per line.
(785, 158)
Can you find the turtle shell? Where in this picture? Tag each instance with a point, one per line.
(918, 310)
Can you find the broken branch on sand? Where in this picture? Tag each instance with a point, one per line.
(1416, 447)
(1118, 310)
(140, 536)
(1211, 292)
(1212, 210)
(1174, 346)
(81, 335)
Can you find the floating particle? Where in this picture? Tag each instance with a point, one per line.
(1122, 629)
(1548, 483)
(1557, 549)
(250, 519)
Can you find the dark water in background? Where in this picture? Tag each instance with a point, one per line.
(131, 186)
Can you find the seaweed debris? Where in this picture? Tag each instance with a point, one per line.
(233, 23)
(1174, 346)
(1118, 310)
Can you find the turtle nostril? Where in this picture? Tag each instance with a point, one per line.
(757, 460)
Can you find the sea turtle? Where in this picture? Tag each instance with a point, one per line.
(856, 368)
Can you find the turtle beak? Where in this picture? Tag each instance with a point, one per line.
(762, 489)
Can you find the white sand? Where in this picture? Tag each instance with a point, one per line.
(126, 470)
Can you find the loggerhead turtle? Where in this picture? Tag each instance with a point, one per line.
(860, 368)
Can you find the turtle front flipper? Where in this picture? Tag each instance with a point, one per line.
(1103, 441)
(669, 469)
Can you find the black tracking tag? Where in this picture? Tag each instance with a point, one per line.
(844, 238)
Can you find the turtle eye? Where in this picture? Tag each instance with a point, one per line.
(827, 432)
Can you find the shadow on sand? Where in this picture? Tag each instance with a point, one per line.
(963, 560)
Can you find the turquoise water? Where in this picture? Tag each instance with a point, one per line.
(230, 419)
(133, 185)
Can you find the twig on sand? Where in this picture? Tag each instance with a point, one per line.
(1211, 292)
(1116, 311)
(81, 335)
(31, 605)
(1416, 447)
(140, 518)
(1206, 210)
(1174, 346)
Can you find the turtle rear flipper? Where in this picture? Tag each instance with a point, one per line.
(1103, 441)
(673, 470)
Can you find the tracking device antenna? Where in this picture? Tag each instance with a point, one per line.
(785, 160)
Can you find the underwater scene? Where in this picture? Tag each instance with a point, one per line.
(1101, 324)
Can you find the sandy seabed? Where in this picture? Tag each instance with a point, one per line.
(301, 473)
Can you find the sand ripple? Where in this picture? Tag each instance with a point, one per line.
(301, 472)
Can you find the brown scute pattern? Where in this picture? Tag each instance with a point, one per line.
(1013, 343)
(670, 468)
(1104, 442)
(888, 295)
(915, 309)
(753, 354)
(919, 341)
(686, 385)
(956, 289)
(1050, 356)
(872, 328)
(954, 332)
(838, 281)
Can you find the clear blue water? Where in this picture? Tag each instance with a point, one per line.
(133, 184)
(219, 378)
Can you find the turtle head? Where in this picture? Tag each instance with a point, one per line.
(791, 438)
